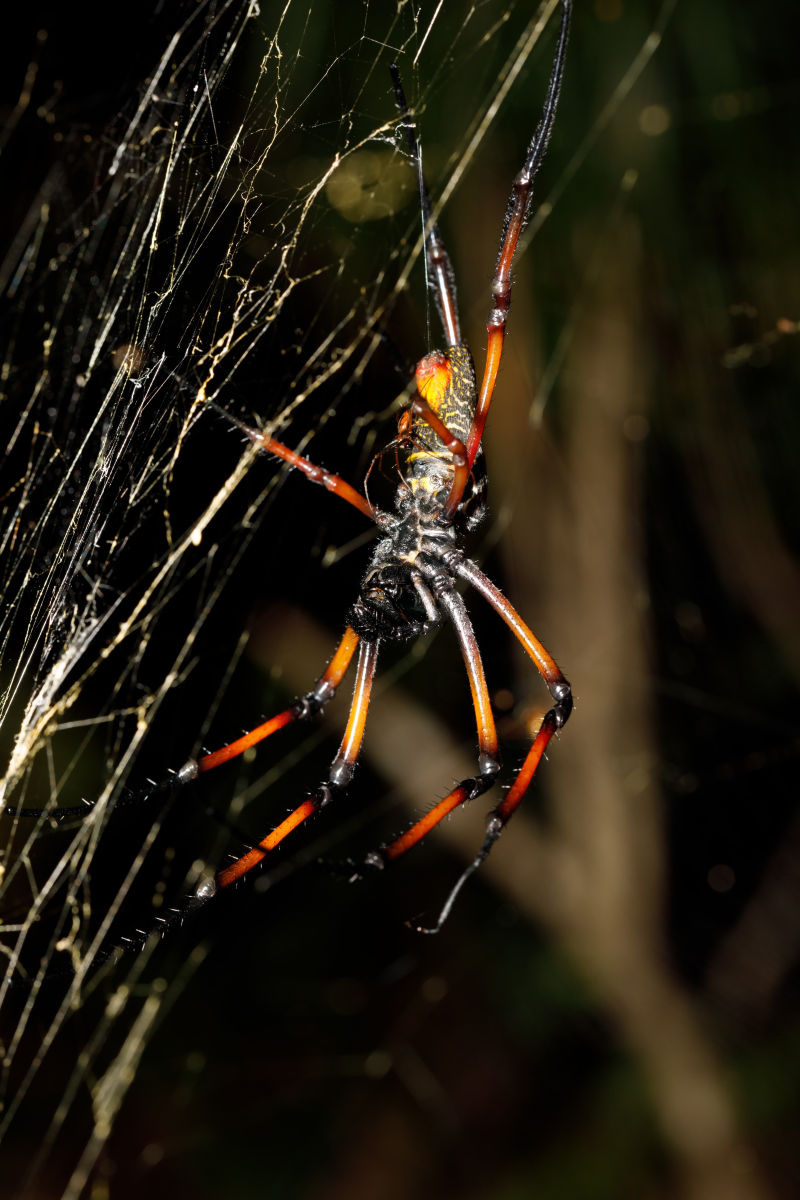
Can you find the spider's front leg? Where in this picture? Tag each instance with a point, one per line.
(516, 217)
(332, 483)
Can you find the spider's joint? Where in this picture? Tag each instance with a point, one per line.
(452, 558)
(438, 579)
(494, 827)
(340, 774)
(439, 528)
(488, 766)
(308, 706)
(562, 694)
(205, 890)
(188, 772)
(322, 693)
(522, 180)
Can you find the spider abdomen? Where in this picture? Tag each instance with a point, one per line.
(446, 381)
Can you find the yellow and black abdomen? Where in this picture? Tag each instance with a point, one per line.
(446, 381)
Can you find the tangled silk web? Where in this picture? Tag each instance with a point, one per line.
(244, 231)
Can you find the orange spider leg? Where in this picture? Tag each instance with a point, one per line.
(334, 483)
(309, 705)
(500, 815)
(545, 663)
(555, 718)
(339, 776)
(467, 789)
(421, 828)
(457, 449)
(517, 215)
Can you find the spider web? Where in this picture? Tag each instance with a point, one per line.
(232, 223)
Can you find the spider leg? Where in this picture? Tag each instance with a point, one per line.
(333, 483)
(339, 775)
(300, 710)
(516, 216)
(456, 610)
(555, 718)
(436, 256)
(501, 815)
(546, 666)
(488, 764)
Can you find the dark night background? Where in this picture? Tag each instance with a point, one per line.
(611, 1010)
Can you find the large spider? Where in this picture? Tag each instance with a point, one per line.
(410, 584)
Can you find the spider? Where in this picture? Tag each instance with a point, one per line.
(410, 584)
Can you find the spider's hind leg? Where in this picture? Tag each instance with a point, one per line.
(488, 762)
(302, 709)
(343, 765)
(299, 710)
(555, 719)
(502, 814)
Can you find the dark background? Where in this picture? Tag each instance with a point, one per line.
(611, 1010)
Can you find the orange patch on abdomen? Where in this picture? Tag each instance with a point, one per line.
(433, 378)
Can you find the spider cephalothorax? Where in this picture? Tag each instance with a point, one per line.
(394, 601)
(388, 605)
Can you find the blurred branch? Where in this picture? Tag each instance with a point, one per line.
(606, 806)
(740, 525)
(764, 945)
